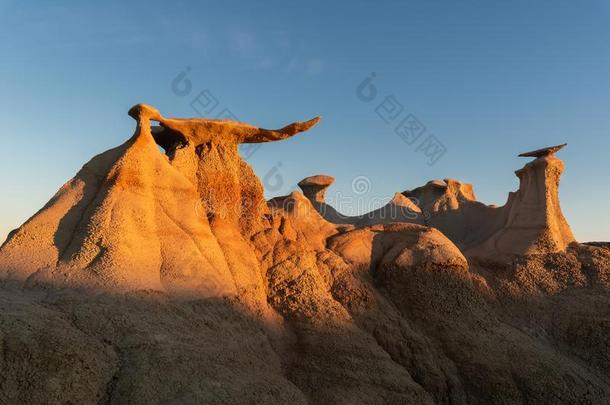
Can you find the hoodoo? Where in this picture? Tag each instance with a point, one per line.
(533, 222)
(135, 218)
(287, 301)
(314, 187)
(398, 209)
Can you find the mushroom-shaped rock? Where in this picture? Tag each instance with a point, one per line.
(399, 209)
(314, 187)
(144, 111)
(127, 220)
(205, 151)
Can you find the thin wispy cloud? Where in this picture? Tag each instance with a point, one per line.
(314, 66)
(273, 50)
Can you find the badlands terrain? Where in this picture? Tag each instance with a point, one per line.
(155, 278)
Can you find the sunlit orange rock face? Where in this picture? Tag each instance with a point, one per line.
(167, 278)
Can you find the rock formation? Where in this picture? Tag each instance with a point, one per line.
(543, 152)
(166, 278)
(314, 187)
(134, 218)
(398, 209)
(532, 219)
(531, 222)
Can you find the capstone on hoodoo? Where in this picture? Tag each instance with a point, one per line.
(135, 218)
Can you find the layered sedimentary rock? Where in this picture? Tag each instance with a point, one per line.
(283, 305)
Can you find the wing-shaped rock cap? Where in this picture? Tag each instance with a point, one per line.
(134, 218)
(205, 151)
(548, 151)
(202, 130)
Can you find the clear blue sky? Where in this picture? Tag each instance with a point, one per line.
(489, 79)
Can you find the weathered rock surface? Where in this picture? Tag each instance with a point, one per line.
(535, 223)
(399, 209)
(154, 278)
(531, 222)
(314, 187)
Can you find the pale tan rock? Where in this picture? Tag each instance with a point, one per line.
(124, 216)
(403, 245)
(532, 220)
(439, 195)
(314, 188)
(299, 215)
(451, 206)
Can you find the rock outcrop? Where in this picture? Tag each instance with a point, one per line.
(196, 290)
(133, 218)
(314, 187)
(398, 209)
(534, 222)
(543, 152)
(531, 222)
